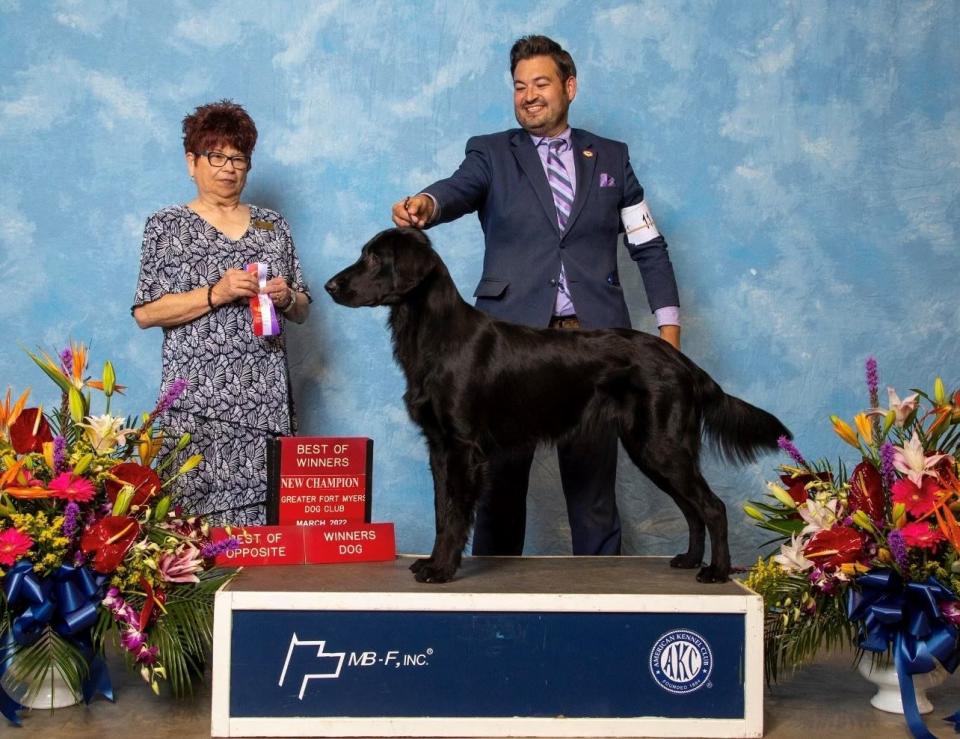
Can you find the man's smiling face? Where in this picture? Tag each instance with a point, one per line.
(540, 99)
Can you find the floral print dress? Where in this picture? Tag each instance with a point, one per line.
(238, 386)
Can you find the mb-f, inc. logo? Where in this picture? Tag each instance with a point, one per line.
(330, 662)
(681, 661)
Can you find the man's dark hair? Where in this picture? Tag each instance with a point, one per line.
(527, 47)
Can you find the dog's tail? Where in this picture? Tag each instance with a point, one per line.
(739, 431)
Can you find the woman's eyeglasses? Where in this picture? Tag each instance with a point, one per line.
(219, 159)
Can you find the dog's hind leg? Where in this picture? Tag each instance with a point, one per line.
(696, 543)
(455, 483)
(677, 474)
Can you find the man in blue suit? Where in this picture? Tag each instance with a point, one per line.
(552, 202)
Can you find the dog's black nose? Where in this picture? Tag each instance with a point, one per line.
(332, 286)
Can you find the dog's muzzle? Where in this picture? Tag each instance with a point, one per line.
(333, 286)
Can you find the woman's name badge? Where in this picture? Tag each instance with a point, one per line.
(263, 225)
(265, 321)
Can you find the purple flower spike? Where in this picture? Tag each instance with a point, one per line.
(887, 470)
(59, 455)
(71, 515)
(66, 360)
(787, 446)
(898, 548)
(174, 391)
(215, 548)
(873, 381)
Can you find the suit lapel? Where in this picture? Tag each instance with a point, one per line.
(585, 161)
(529, 160)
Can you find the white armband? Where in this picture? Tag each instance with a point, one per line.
(638, 223)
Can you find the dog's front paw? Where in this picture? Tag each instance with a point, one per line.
(420, 564)
(428, 571)
(686, 561)
(712, 573)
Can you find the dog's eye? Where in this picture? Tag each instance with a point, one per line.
(372, 260)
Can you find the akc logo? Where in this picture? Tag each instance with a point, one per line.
(681, 661)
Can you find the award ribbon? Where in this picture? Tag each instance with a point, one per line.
(265, 321)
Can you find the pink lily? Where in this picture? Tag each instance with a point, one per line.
(902, 408)
(911, 460)
(182, 565)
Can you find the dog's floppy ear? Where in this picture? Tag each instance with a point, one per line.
(413, 258)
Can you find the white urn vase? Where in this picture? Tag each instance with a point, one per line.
(53, 693)
(883, 674)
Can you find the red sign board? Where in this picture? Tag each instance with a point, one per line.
(297, 545)
(320, 480)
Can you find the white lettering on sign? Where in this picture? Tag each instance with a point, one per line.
(369, 658)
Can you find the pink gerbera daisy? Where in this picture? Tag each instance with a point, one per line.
(13, 545)
(921, 535)
(69, 487)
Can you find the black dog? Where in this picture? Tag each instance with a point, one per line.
(479, 387)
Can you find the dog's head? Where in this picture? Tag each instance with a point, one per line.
(391, 265)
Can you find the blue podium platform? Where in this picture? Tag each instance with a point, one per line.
(514, 647)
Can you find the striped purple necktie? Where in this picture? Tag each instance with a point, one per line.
(559, 181)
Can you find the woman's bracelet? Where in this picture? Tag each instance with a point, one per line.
(293, 301)
(210, 298)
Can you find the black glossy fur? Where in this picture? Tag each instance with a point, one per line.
(478, 386)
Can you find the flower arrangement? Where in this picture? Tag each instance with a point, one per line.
(868, 557)
(91, 545)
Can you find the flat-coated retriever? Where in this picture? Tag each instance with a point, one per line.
(478, 386)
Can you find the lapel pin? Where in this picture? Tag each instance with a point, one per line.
(587, 153)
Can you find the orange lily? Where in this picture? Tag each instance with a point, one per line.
(946, 520)
(843, 430)
(13, 475)
(864, 426)
(8, 413)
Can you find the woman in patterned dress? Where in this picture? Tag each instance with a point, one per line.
(193, 285)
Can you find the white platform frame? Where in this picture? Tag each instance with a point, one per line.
(747, 603)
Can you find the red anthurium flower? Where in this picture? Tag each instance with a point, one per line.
(22, 436)
(919, 501)
(796, 485)
(109, 538)
(921, 535)
(866, 491)
(144, 481)
(831, 548)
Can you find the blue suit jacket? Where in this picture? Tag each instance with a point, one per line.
(502, 178)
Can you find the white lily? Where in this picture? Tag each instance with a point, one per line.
(791, 557)
(818, 515)
(105, 432)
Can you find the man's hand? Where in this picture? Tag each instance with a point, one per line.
(235, 284)
(413, 212)
(671, 334)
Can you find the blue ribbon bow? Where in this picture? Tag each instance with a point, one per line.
(908, 616)
(68, 601)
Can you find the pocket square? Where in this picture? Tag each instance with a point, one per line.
(606, 180)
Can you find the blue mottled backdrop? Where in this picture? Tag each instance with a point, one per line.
(802, 159)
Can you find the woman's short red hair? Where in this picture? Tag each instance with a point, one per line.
(217, 124)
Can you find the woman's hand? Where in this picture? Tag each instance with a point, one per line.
(279, 292)
(235, 284)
